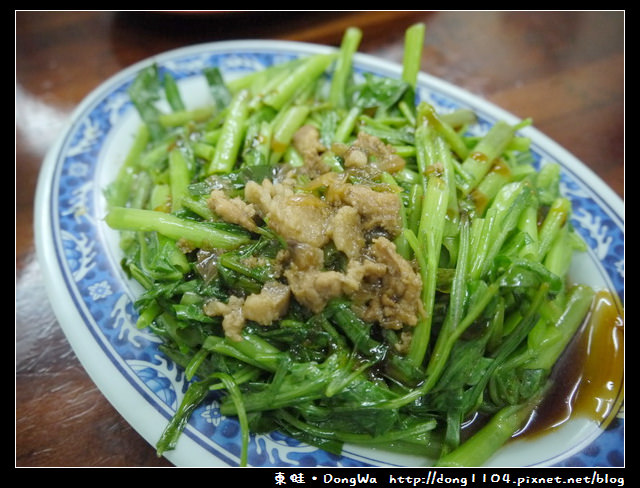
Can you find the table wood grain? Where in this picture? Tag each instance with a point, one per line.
(565, 70)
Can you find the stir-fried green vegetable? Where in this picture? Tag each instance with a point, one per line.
(478, 246)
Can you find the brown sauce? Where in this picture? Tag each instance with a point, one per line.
(479, 199)
(588, 379)
(501, 168)
(479, 156)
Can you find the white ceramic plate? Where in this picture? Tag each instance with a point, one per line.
(93, 300)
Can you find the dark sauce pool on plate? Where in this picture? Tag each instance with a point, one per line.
(587, 379)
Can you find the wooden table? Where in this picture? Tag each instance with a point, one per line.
(565, 70)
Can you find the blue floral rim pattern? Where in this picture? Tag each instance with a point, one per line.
(104, 298)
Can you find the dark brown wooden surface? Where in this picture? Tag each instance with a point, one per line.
(565, 70)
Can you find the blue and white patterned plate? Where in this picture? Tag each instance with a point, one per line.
(93, 299)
